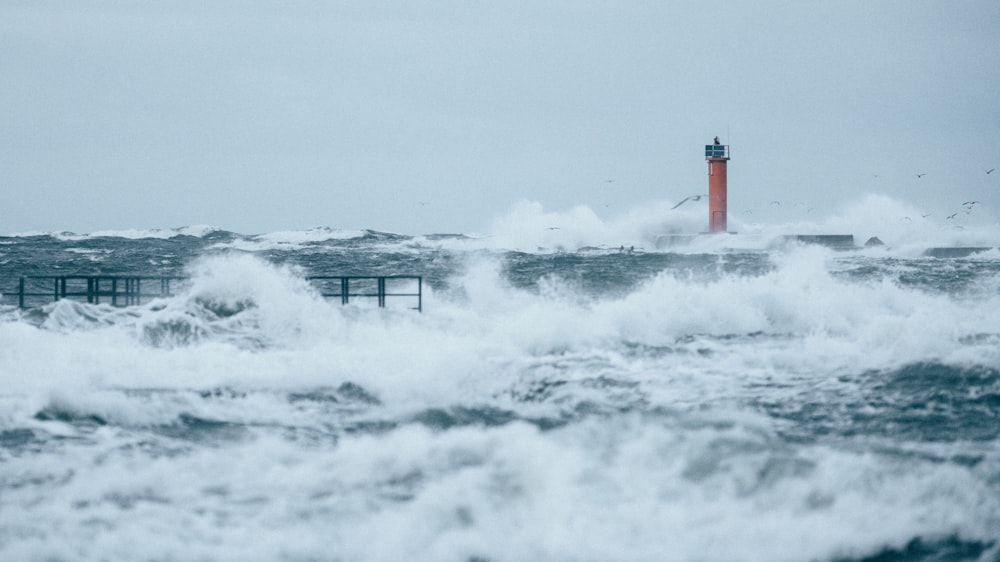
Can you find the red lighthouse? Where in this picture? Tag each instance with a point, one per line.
(717, 156)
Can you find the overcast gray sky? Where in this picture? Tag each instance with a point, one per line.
(435, 116)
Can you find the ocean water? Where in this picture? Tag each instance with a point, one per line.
(560, 397)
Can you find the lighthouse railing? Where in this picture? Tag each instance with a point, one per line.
(716, 151)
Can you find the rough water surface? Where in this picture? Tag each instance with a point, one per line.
(772, 404)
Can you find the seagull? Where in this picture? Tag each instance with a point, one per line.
(921, 175)
(969, 205)
(686, 199)
(990, 171)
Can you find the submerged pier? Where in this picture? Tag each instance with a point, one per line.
(130, 290)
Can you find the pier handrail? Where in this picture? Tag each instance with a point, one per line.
(126, 290)
(344, 292)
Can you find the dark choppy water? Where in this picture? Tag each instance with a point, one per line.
(760, 404)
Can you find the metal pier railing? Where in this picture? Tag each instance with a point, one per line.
(117, 290)
(346, 287)
(120, 290)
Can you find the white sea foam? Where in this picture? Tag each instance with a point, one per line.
(240, 321)
(290, 239)
(692, 473)
(595, 490)
(196, 231)
(903, 228)
(131, 234)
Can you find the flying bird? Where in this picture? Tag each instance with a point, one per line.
(921, 175)
(686, 199)
(990, 171)
(552, 228)
(951, 216)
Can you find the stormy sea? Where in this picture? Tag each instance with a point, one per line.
(551, 394)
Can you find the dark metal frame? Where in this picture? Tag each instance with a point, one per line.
(716, 151)
(380, 292)
(122, 290)
(128, 290)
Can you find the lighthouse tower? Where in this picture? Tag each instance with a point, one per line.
(717, 156)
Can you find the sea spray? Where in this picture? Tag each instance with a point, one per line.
(760, 402)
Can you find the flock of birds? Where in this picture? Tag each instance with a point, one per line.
(968, 206)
